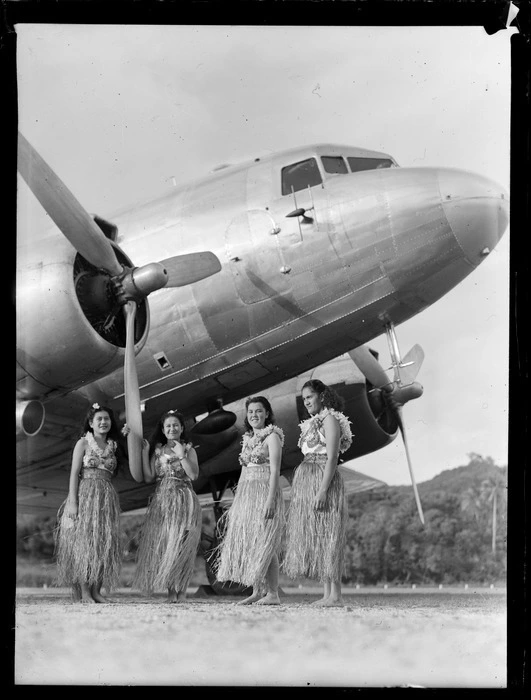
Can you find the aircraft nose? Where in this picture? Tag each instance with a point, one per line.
(477, 210)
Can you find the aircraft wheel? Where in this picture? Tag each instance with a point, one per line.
(227, 587)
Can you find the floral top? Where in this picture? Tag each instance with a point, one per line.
(252, 445)
(167, 464)
(312, 438)
(96, 458)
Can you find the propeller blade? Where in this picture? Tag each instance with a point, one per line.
(133, 415)
(370, 367)
(409, 464)
(65, 210)
(190, 267)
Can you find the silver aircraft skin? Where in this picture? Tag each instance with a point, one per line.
(318, 256)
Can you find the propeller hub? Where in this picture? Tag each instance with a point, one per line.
(141, 281)
(400, 395)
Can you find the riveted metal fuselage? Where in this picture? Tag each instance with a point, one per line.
(293, 292)
(381, 246)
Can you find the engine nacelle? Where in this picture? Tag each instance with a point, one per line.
(374, 426)
(69, 332)
(30, 417)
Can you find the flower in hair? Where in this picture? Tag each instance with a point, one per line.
(96, 405)
(172, 411)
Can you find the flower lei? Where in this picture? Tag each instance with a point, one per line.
(111, 445)
(165, 458)
(313, 424)
(252, 440)
(106, 455)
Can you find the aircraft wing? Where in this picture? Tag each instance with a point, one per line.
(355, 482)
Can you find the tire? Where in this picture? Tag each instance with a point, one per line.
(225, 587)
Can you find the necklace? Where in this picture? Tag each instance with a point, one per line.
(94, 444)
(251, 441)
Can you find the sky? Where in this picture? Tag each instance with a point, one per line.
(121, 112)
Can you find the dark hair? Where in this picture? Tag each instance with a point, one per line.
(158, 437)
(329, 397)
(270, 419)
(113, 434)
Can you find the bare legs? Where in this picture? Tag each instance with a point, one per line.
(335, 597)
(175, 596)
(326, 593)
(331, 595)
(88, 593)
(270, 597)
(96, 594)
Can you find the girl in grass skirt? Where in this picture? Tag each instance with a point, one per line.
(87, 539)
(318, 512)
(172, 527)
(253, 526)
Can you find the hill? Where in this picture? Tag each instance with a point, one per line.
(463, 539)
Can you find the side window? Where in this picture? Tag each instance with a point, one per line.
(359, 164)
(300, 175)
(334, 164)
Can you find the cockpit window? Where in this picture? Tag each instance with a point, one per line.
(334, 164)
(300, 176)
(359, 164)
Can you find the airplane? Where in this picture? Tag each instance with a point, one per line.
(259, 275)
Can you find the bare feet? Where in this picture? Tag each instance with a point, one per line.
(269, 599)
(176, 597)
(87, 599)
(319, 602)
(98, 598)
(251, 599)
(86, 594)
(76, 593)
(331, 602)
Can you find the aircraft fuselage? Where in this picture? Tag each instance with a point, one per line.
(373, 246)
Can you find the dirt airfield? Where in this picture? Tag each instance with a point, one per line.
(391, 638)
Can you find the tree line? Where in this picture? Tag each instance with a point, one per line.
(464, 538)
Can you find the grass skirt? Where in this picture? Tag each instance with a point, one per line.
(88, 549)
(249, 541)
(169, 538)
(315, 540)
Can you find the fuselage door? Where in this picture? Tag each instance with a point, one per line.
(255, 258)
(306, 225)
